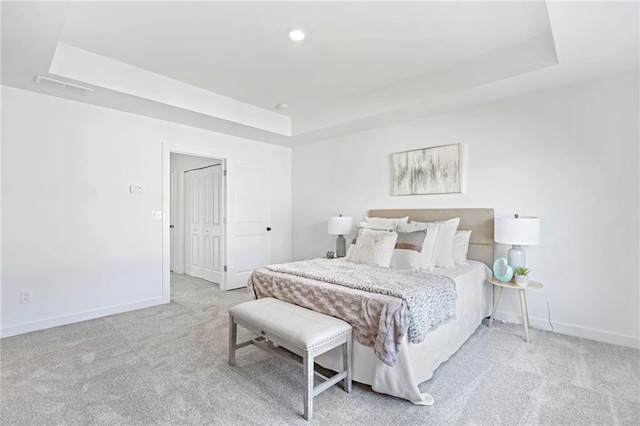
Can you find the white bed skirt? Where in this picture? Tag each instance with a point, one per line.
(417, 362)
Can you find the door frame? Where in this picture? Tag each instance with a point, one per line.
(197, 150)
(173, 209)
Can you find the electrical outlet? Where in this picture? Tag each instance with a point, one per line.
(25, 296)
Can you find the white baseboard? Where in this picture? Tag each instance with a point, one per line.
(573, 330)
(14, 330)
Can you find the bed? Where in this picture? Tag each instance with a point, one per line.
(414, 363)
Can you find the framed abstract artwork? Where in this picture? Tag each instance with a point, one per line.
(434, 170)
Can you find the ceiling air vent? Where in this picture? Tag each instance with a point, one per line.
(62, 85)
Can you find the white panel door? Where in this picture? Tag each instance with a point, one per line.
(214, 227)
(193, 229)
(204, 198)
(249, 230)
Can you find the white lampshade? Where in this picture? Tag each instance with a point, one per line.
(339, 225)
(524, 230)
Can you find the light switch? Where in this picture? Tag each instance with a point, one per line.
(156, 215)
(135, 189)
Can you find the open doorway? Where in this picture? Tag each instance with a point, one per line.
(246, 238)
(197, 216)
(197, 206)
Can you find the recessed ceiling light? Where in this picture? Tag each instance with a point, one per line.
(296, 34)
(282, 106)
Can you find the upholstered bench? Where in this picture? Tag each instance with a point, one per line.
(302, 331)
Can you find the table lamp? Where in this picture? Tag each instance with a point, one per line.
(518, 231)
(340, 226)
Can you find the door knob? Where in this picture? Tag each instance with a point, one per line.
(171, 226)
(268, 228)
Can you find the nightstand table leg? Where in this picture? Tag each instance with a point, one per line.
(495, 306)
(525, 314)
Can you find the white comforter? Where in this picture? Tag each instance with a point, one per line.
(417, 362)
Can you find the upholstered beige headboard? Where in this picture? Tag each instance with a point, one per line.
(479, 221)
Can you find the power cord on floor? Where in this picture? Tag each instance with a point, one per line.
(549, 312)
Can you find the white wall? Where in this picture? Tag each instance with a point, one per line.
(72, 233)
(568, 155)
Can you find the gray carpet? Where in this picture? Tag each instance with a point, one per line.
(168, 365)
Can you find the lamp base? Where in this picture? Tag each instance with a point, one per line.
(341, 246)
(517, 257)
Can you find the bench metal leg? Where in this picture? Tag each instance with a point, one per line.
(308, 372)
(346, 363)
(233, 332)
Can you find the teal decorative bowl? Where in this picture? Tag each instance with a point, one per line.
(502, 270)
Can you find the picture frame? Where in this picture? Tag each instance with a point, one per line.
(432, 170)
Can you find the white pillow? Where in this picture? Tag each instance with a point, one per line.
(408, 250)
(390, 226)
(461, 247)
(379, 227)
(386, 220)
(373, 247)
(444, 244)
(443, 256)
(429, 244)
